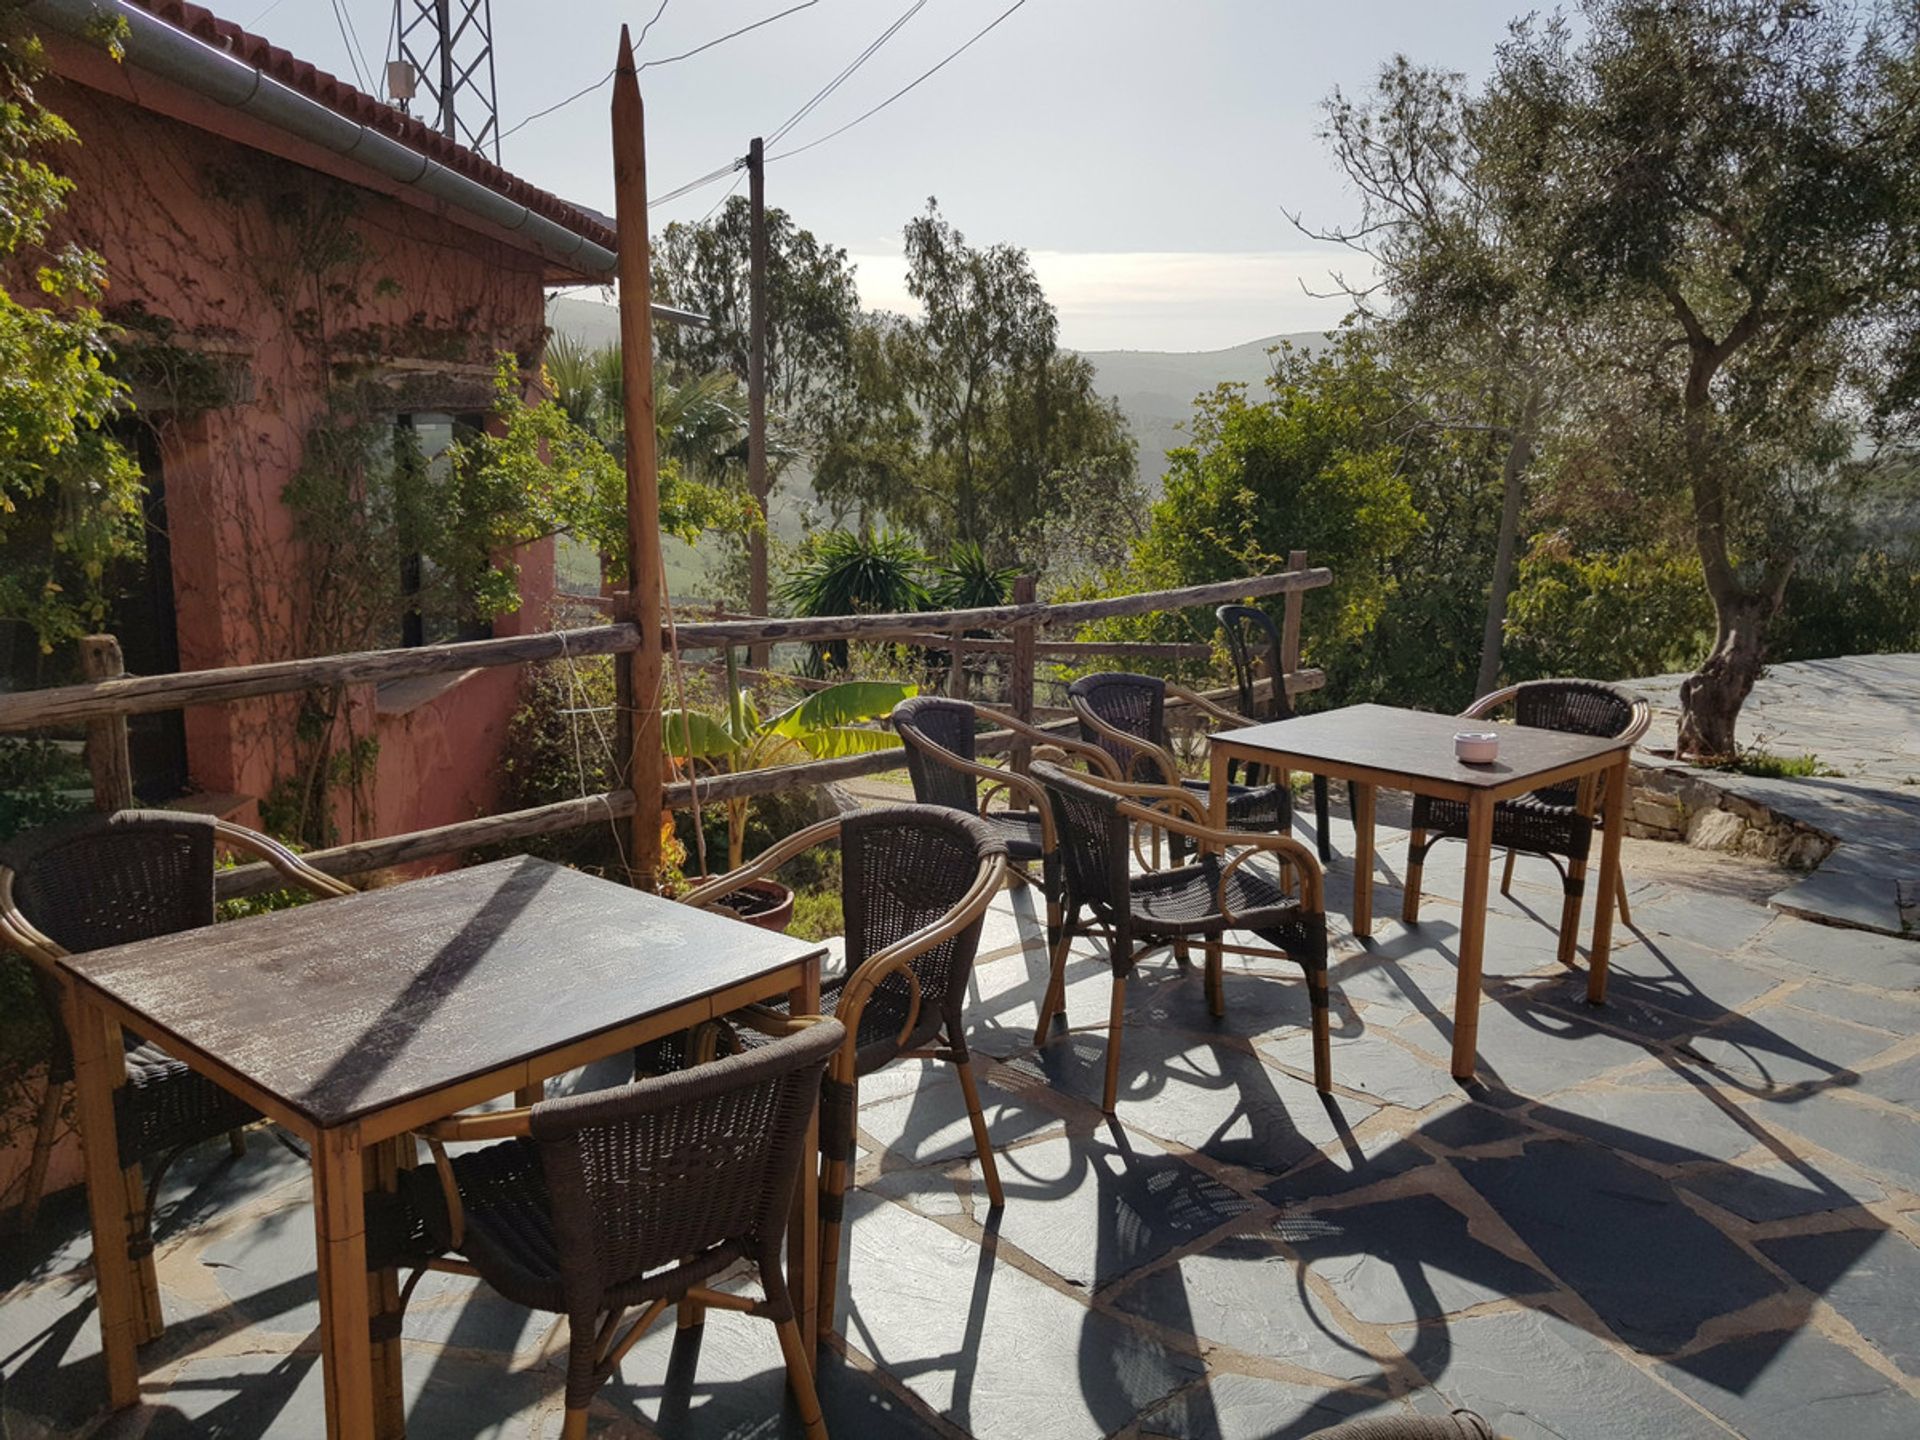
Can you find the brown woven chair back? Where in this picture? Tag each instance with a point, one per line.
(656, 1185)
(1575, 707)
(1252, 637)
(902, 868)
(936, 721)
(100, 880)
(1133, 704)
(1460, 1425)
(104, 880)
(1093, 849)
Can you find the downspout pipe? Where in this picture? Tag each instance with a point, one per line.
(155, 46)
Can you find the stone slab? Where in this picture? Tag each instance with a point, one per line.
(1671, 1126)
(1618, 1236)
(1871, 1278)
(1792, 1386)
(1534, 1376)
(1780, 1191)
(1880, 1142)
(1370, 1063)
(1229, 1406)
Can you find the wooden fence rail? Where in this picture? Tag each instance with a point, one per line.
(104, 704)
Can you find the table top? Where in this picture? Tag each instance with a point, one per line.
(344, 1007)
(1417, 745)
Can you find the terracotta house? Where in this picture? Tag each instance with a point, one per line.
(275, 233)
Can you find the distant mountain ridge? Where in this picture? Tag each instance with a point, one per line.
(1156, 388)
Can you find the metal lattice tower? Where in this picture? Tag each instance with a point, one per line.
(449, 44)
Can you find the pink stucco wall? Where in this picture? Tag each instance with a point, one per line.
(302, 281)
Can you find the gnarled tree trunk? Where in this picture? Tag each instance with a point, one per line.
(1520, 445)
(1710, 698)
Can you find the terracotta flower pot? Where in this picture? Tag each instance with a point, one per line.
(765, 903)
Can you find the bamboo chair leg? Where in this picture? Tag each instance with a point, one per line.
(800, 1379)
(237, 1143)
(149, 1322)
(1055, 999)
(1410, 900)
(574, 1427)
(1576, 884)
(1322, 1030)
(46, 1122)
(689, 1314)
(989, 1167)
(834, 1175)
(1506, 875)
(1116, 1019)
(1620, 896)
(1216, 984)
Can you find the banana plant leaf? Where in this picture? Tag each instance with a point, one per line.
(840, 706)
(835, 741)
(711, 739)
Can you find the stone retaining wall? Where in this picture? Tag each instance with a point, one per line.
(1679, 803)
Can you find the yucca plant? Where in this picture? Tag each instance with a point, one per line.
(965, 581)
(843, 572)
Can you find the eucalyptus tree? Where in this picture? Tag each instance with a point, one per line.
(1454, 296)
(1725, 196)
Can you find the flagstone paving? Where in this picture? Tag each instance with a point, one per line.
(1692, 1213)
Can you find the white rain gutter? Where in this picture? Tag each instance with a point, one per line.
(154, 45)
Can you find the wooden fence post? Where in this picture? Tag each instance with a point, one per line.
(107, 737)
(957, 665)
(1020, 671)
(1290, 623)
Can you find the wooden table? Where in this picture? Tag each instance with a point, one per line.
(350, 1021)
(1379, 745)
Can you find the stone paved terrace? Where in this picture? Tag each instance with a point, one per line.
(1693, 1214)
(1859, 716)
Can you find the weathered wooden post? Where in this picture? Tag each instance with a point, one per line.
(757, 486)
(1020, 668)
(107, 756)
(645, 579)
(1290, 624)
(957, 665)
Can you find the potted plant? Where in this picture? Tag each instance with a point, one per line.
(826, 725)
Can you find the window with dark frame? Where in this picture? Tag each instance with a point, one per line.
(432, 433)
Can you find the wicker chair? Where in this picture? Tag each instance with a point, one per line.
(96, 881)
(596, 1204)
(1557, 822)
(939, 735)
(916, 881)
(1126, 716)
(1203, 900)
(1252, 637)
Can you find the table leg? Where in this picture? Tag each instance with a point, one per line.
(1613, 823)
(1361, 799)
(99, 1063)
(1217, 788)
(380, 1167)
(340, 1246)
(1473, 934)
(804, 1257)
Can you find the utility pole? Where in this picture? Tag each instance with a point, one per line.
(757, 385)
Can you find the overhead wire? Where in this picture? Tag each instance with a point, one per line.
(846, 72)
(353, 60)
(587, 90)
(904, 89)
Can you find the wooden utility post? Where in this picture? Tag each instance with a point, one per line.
(645, 577)
(107, 754)
(1290, 624)
(757, 386)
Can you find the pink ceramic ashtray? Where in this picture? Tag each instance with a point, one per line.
(1477, 747)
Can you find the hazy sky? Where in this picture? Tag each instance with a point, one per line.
(1144, 151)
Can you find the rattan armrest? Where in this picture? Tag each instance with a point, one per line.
(772, 858)
(1010, 778)
(21, 933)
(1206, 706)
(878, 966)
(290, 865)
(772, 1023)
(1489, 702)
(1094, 753)
(1302, 858)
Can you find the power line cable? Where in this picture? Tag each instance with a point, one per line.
(917, 80)
(651, 23)
(872, 49)
(834, 84)
(665, 60)
(358, 49)
(340, 21)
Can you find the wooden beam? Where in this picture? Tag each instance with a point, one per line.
(757, 384)
(646, 580)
